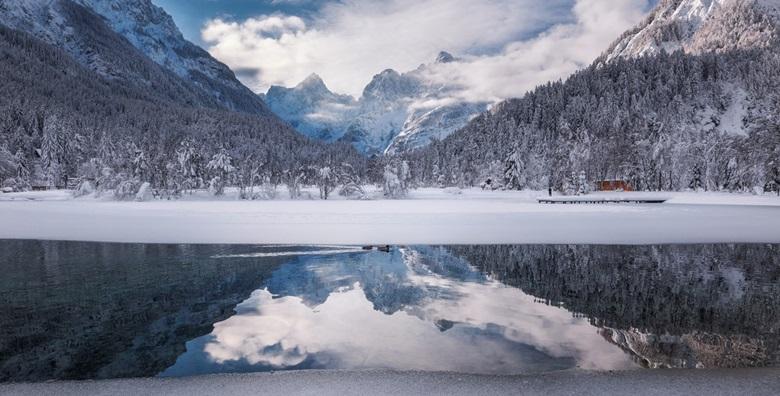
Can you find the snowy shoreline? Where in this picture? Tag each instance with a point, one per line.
(383, 382)
(430, 216)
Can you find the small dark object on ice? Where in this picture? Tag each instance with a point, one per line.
(385, 248)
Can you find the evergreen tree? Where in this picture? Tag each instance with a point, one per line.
(222, 169)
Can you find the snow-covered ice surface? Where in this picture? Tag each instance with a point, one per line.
(430, 216)
(757, 382)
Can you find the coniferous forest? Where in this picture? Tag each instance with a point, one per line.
(99, 115)
(647, 120)
(63, 124)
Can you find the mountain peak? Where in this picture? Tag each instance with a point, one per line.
(445, 57)
(313, 81)
(390, 85)
(388, 73)
(698, 26)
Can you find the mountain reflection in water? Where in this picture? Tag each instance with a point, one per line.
(90, 310)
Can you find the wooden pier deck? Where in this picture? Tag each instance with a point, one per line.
(584, 199)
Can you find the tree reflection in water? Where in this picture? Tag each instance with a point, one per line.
(669, 306)
(92, 310)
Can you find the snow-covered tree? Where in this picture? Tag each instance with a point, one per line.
(222, 169)
(396, 179)
(351, 185)
(773, 184)
(182, 173)
(22, 182)
(493, 176)
(52, 151)
(583, 187)
(126, 187)
(249, 175)
(438, 176)
(9, 167)
(326, 181)
(141, 165)
(106, 151)
(514, 171)
(405, 176)
(294, 179)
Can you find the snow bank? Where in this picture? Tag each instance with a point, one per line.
(314, 382)
(430, 217)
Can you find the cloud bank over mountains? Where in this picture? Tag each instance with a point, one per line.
(504, 47)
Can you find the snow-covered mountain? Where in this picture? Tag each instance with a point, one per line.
(698, 26)
(311, 108)
(396, 111)
(687, 99)
(92, 31)
(94, 86)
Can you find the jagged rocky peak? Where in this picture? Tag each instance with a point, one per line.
(698, 26)
(311, 90)
(138, 14)
(390, 85)
(314, 86)
(150, 29)
(312, 81)
(445, 57)
(396, 112)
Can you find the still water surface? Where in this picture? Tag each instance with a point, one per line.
(92, 310)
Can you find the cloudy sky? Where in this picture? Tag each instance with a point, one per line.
(506, 47)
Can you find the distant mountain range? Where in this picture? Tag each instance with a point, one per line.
(396, 112)
(688, 99)
(389, 117)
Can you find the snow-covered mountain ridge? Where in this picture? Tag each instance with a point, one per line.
(686, 100)
(149, 29)
(311, 107)
(699, 26)
(396, 111)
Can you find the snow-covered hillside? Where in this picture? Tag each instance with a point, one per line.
(698, 26)
(688, 99)
(396, 111)
(67, 24)
(83, 104)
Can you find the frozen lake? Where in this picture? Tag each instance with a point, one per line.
(76, 310)
(429, 216)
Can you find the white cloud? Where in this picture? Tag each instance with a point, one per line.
(553, 55)
(348, 42)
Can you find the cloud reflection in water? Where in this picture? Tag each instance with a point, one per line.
(354, 311)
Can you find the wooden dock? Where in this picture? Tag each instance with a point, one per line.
(583, 200)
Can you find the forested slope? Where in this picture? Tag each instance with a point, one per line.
(61, 120)
(661, 121)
